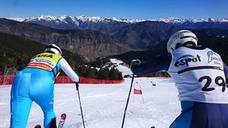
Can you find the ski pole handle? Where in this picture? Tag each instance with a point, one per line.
(80, 104)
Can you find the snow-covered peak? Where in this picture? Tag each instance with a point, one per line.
(63, 18)
(96, 19)
(105, 19)
(20, 19)
(172, 20)
(224, 20)
(48, 18)
(199, 20)
(90, 18)
(195, 20)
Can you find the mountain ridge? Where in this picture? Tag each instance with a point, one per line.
(88, 43)
(137, 34)
(115, 19)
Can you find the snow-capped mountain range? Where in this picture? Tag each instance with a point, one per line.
(96, 19)
(75, 19)
(84, 34)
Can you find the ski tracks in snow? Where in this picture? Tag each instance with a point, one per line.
(103, 105)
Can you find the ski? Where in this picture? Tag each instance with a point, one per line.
(37, 126)
(62, 120)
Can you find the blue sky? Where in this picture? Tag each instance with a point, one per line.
(132, 9)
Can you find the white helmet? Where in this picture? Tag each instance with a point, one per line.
(53, 48)
(181, 37)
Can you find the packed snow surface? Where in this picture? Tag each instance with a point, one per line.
(120, 65)
(103, 105)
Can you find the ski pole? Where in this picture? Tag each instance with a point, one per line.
(79, 99)
(128, 98)
(133, 62)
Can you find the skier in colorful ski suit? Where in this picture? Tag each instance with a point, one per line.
(36, 83)
(200, 79)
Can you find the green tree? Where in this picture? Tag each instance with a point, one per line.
(114, 74)
(103, 73)
(92, 73)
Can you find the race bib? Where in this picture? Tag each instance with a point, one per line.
(46, 61)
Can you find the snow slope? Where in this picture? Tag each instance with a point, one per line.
(104, 104)
(121, 66)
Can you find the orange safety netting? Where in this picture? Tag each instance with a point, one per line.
(8, 79)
